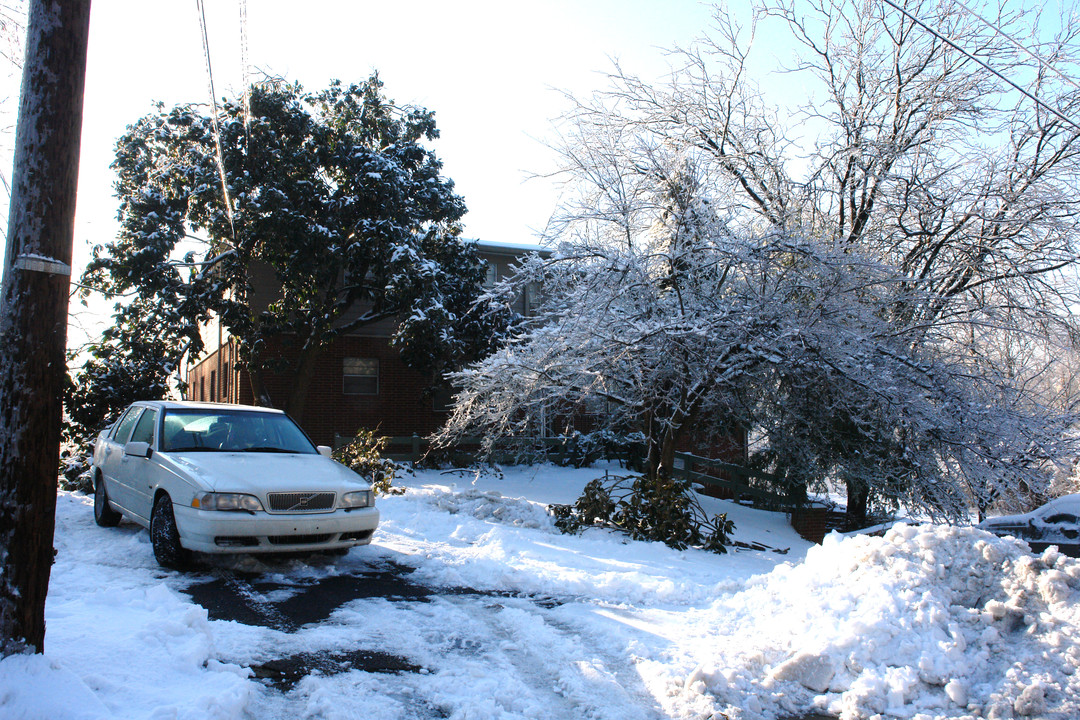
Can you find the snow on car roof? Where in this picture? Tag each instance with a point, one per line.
(1065, 501)
(192, 404)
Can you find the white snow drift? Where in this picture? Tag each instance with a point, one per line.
(925, 622)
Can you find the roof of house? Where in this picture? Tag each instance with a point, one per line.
(509, 248)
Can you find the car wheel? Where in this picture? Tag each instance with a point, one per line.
(165, 537)
(104, 514)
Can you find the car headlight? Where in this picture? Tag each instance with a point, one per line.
(228, 502)
(357, 499)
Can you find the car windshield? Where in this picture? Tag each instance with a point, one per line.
(214, 430)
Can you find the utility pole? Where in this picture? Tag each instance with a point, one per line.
(33, 310)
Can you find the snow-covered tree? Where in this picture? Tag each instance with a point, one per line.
(664, 314)
(138, 357)
(330, 197)
(937, 141)
(928, 142)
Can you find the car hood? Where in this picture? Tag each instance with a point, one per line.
(257, 472)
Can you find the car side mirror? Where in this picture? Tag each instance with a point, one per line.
(325, 450)
(138, 449)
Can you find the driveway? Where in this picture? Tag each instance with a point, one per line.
(298, 626)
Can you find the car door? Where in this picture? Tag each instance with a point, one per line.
(112, 455)
(136, 470)
(1062, 527)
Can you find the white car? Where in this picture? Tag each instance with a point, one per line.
(1055, 523)
(219, 478)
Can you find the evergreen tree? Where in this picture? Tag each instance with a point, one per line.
(331, 198)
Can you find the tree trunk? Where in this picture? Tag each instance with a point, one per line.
(661, 461)
(258, 385)
(258, 388)
(669, 441)
(33, 320)
(667, 454)
(303, 374)
(251, 355)
(858, 504)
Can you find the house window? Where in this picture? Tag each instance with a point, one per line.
(442, 399)
(361, 376)
(530, 298)
(491, 274)
(202, 389)
(225, 381)
(213, 385)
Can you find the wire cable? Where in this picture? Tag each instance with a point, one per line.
(214, 119)
(1018, 45)
(985, 66)
(244, 67)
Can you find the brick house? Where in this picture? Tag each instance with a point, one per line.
(359, 381)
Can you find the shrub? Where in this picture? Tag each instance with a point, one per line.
(364, 456)
(75, 471)
(645, 508)
(581, 449)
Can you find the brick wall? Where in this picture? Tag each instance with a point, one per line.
(812, 523)
(399, 408)
(215, 378)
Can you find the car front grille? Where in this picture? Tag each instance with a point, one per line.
(298, 539)
(300, 502)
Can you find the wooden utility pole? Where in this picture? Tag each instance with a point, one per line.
(33, 310)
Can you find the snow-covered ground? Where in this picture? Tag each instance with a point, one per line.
(925, 622)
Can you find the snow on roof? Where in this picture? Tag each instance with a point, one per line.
(508, 248)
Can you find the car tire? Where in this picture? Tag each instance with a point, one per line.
(165, 537)
(104, 514)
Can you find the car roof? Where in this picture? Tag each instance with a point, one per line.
(192, 405)
(1070, 502)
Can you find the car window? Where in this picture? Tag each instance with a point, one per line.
(210, 430)
(1062, 518)
(144, 430)
(123, 428)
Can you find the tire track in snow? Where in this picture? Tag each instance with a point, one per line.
(569, 674)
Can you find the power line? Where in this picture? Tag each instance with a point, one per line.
(985, 66)
(1018, 45)
(213, 117)
(244, 68)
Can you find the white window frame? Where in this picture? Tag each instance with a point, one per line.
(357, 367)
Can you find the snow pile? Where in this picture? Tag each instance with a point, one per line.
(32, 687)
(926, 622)
(518, 621)
(490, 505)
(481, 538)
(119, 642)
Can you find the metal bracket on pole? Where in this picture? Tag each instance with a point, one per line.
(37, 263)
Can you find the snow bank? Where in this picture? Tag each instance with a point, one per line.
(488, 541)
(119, 642)
(925, 622)
(33, 687)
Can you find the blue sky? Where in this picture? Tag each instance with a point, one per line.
(491, 70)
